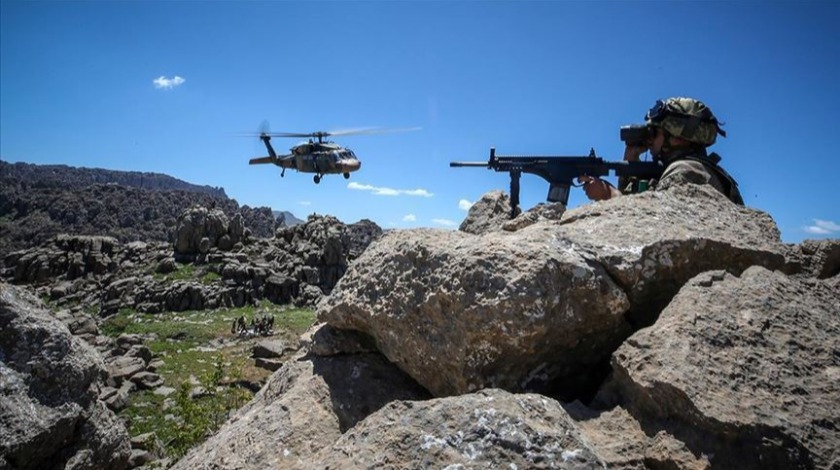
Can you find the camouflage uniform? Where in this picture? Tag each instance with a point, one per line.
(699, 168)
(693, 121)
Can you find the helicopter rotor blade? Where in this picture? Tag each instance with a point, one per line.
(371, 130)
(340, 132)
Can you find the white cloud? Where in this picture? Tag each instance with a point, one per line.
(444, 222)
(410, 218)
(163, 82)
(822, 227)
(465, 205)
(305, 203)
(382, 191)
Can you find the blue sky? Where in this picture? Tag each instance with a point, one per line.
(77, 87)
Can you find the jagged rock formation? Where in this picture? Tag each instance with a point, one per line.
(709, 342)
(39, 202)
(299, 266)
(50, 414)
(487, 214)
(200, 229)
(492, 213)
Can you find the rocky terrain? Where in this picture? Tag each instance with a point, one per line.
(670, 329)
(38, 202)
(208, 261)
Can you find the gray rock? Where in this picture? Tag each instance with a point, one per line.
(147, 380)
(744, 369)
(148, 441)
(619, 441)
(155, 365)
(123, 367)
(653, 243)
(81, 324)
(126, 341)
(818, 258)
(166, 266)
(268, 363)
(271, 348)
(487, 214)
(199, 392)
(140, 457)
(324, 340)
(117, 398)
(164, 391)
(550, 211)
(529, 309)
(488, 429)
(50, 414)
(304, 407)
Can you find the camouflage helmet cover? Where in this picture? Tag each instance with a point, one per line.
(687, 119)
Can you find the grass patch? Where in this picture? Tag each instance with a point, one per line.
(184, 272)
(197, 349)
(210, 277)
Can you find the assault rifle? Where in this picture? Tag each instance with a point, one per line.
(560, 171)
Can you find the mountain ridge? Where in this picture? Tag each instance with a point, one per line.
(38, 202)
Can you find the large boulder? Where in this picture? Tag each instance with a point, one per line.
(50, 414)
(304, 407)
(744, 369)
(521, 310)
(488, 429)
(460, 313)
(654, 242)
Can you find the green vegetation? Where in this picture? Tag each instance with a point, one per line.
(199, 354)
(210, 277)
(189, 272)
(184, 272)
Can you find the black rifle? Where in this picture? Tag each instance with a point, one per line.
(560, 171)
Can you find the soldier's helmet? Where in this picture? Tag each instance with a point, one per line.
(686, 118)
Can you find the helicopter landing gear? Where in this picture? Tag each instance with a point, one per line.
(316, 179)
(347, 176)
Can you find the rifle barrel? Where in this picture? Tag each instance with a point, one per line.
(459, 164)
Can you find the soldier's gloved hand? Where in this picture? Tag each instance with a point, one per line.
(632, 152)
(597, 189)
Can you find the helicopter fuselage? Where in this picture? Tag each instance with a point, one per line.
(320, 158)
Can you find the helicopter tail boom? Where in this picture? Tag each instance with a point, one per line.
(268, 159)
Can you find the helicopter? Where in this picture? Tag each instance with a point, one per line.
(320, 156)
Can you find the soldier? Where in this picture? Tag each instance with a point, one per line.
(680, 129)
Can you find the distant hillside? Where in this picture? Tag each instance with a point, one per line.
(286, 218)
(63, 176)
(38, 202)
